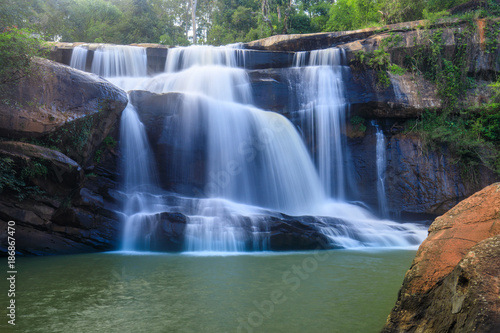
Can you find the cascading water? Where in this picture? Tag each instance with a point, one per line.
(141, 219)
(79, 58)
(255, 164)
(123, 65)
(381, 166)
(323, 107)
(114, 60)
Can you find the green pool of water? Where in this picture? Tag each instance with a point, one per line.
(330, 291)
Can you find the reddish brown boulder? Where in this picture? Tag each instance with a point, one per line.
(453, 284)
(452, 235)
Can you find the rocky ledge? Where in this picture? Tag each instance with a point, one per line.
(453, 285)
(58, 161)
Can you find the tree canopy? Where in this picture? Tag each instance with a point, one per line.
(217, 21)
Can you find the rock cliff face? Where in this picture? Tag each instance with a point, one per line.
(63, 107)
(453, 285)
(419, 183)
(70, 174)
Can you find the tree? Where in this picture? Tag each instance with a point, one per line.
(17, 49)
(193, 13)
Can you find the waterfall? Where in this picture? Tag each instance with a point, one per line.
(184, 57)
(114, 60)
(381, 166)
(141, 219)
(255, 168)
(323, 107)
(79, 58)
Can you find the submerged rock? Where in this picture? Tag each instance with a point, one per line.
(452, 285)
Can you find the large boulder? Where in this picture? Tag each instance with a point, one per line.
(50, 170)
(62, 107)
(73, 214)
(161, 116)
(452, 285)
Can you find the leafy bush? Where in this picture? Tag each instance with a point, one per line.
(395, 69)
(17, 48)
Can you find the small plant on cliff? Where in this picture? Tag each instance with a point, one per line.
(380, 59)
(395, 69)
(8, 179)
(358, 122)
(11, 182)
(17, 48)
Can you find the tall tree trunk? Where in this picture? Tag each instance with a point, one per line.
(193, 13)
(265, 10)
(288, 10)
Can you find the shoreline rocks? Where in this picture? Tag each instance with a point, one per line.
(453, 285)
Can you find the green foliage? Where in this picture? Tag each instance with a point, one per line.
(496, 92)
(34, 169)
(8, 179)
(353, 14)
(434, 16)
(358, 122)
(492, 30)
(20, 13)
(447, 70)
(395, 69)
(380, 60)
(472, 137)
(109, 142)
(219, 21)
(98, 156)
(401, 10)
(17, 48)
(11, 182)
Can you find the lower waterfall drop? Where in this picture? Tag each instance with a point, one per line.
(141, 219)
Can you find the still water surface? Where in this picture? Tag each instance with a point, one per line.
(330, 291)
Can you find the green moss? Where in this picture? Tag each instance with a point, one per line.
(98, 155)
(34, 169)
(109, 142)
(358, 122)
